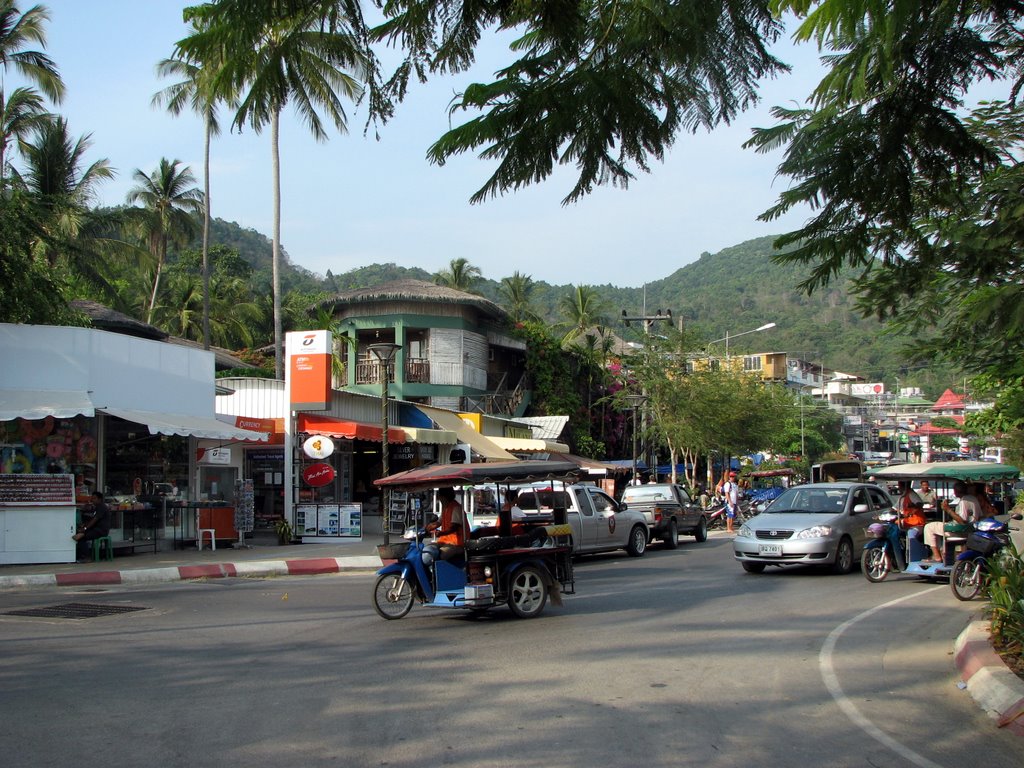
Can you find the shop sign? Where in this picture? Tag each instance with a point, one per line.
(318, 475)
(318, 446)
(403, 452)
(217, 456)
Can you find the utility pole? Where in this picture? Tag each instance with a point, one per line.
(647, 321)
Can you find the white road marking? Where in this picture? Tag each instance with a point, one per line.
(828, 675)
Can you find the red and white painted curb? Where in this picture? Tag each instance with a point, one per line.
(989, 681)
(299, 567)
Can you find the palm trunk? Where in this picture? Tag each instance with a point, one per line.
(162, 252)
(206, 236)
(278, 325)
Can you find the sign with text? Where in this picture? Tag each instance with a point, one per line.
(309, 369)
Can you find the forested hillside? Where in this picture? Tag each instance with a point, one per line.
(732, 291)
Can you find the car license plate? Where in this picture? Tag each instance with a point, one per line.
(769, 549)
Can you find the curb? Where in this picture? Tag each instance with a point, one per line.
(998, 691)
(300, 567)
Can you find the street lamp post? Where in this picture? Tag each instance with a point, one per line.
(635, 401)
(385, 353)
(728, 336)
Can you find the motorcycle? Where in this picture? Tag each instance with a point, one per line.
(891, 549)
(970, 572)
(521, 571)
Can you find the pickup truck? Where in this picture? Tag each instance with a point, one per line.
(599, 523)
(668, 511)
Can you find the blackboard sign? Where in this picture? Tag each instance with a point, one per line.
(37, 490)
(245, 507)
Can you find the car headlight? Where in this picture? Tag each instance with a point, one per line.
(815, 532)
(745, 532)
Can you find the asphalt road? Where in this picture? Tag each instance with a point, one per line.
(678, 658)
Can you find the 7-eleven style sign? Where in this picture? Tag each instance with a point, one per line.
(309, 369)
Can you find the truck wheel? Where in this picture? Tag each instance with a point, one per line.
(527, 592)
(701, 534)
(672, 537)
(637, 543)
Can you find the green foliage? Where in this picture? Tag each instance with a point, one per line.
(1006, 600)
(551, 373)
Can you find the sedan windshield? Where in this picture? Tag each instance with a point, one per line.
(809, 500)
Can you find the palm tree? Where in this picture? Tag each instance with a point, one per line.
(460, 275)
(290, 56)
(582, 309)
(169, 201)
(517, 293)
(21, 112)
(62, 189)
(195, 90)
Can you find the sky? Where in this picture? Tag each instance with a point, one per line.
(356, 200)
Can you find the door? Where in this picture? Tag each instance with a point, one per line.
(691, 511)
(585, 527)
(610, 534)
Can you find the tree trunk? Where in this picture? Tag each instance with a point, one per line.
(206, 234)
(275, 122)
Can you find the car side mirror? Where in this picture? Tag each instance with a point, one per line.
(623, 506)
(859, 509)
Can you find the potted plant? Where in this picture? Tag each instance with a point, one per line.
(285, 532)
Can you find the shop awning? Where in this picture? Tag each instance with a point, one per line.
(525, 445)
(466, 434)
(430, 436)
(38, 404)
(349, 430)
(183, 424)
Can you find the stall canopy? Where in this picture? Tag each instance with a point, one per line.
(184, 424)
(968, 471)
(482, 445)
(426, 436)
(38, 404)
(525, 445)
(473, 474)
(349, 430)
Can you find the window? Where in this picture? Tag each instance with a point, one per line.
(752, 363)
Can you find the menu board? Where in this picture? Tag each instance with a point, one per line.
(329, 520)
(23, 490)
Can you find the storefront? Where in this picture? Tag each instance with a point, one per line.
(125, 421)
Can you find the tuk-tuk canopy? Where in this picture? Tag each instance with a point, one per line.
(968, 471)
(772, 473)
(475, 474)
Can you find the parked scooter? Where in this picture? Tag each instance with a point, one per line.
(889, 548)
(970, 572)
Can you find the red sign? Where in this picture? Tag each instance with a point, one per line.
(318, 475)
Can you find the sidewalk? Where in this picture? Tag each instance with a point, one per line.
(996, 689)
(257, 559)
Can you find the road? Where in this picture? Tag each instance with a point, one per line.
(678, 658)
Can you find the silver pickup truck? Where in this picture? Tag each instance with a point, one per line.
(668, 510)
(599, 523)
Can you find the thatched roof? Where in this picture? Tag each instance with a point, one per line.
(108, 319)
(410, 290)
(223, 359)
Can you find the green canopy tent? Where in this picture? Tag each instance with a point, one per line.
(968, 471)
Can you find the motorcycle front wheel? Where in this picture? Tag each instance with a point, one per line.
(967, 578)
(392, 596)
(876, 564)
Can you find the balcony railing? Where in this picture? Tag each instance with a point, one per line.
(417, 371)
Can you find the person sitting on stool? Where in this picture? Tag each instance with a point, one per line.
(95, 527)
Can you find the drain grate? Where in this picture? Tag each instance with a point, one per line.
(75, 611)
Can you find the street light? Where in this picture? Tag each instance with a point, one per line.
(385, 353)
(635, 401)
(728, 336)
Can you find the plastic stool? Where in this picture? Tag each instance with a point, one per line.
(102, 549)
(213, 538)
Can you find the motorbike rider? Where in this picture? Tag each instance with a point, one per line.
(451, 527)
(910, 506)
(966, 512)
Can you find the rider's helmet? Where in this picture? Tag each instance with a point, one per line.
(876, 530)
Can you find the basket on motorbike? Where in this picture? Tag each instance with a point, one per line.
(875, 531)
(395, 551)
(982, 544)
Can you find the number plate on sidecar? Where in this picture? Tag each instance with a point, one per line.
(769, 549)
